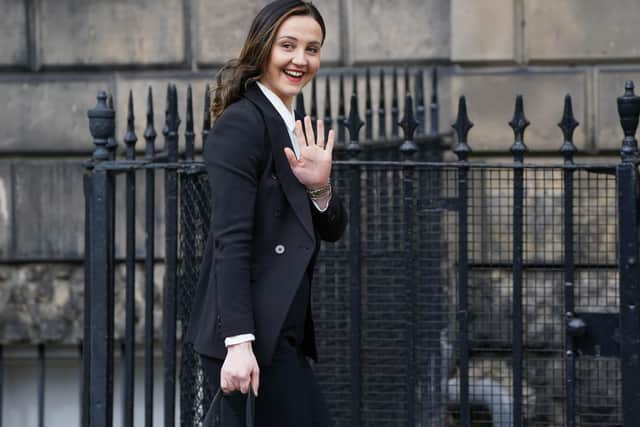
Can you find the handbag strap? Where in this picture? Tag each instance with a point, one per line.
(249, 409)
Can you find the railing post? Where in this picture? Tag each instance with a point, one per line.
(462, 127)
(628, 262)
(354, 124)
(98, 330)
(408, 149)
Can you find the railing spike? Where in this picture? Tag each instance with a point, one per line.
(395, 114)
(328, 120)
(300, 104)
(101, 125)
(628, 110)
(173, 123)
(368, 111)
(150, 132)
(382, 113)
(409, 126)
(434, 121)
(568, 124)
(130, 137)
(314, 103)
(189, 134)
(519, 123)
(354, 124)
(206, 121)
(341, 112)
(420, 108)
(462, 127)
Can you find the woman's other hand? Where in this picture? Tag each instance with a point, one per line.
(313, 168)
(240, 369)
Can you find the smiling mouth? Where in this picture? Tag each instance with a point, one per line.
(294, 74)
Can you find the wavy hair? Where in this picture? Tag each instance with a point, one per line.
(236, 74)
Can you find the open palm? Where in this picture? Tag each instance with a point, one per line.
(313, 168)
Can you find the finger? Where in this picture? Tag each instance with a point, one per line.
(255, 381)
(244, 386)
(291, 157)
(320, 133)
(308, 127)
(224, 386)
(299, 134)
(330, 140)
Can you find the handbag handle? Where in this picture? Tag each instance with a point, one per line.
(249, 410)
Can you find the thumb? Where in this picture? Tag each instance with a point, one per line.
(291, 157)
(255, 381)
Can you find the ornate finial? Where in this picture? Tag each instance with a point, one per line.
(112, 143)
(101, 125)
(189, 134)
(568, 124)
(462, 127)
(206, 121)
(628, 110)
(130, 137)
(519, 123)
(300, 104)
(328, 121)
(149, 132)
(354, 124)
(409, 126)
(382, 113)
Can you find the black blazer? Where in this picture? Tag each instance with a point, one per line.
(264, 233)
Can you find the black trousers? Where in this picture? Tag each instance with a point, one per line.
(289, 395)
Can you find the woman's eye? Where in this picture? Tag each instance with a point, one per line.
(313, 50)
(287, 46)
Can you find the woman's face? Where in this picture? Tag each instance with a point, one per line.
(294, 57)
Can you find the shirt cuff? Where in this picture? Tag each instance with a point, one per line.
(318, 207)
(238, 339)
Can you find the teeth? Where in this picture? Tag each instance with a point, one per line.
(294, 73)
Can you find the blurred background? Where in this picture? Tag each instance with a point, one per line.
(56, 55)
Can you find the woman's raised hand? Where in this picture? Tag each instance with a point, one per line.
(313, 168)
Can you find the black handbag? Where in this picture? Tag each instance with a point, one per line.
(210, 417)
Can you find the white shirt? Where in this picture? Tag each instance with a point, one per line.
(289, 119)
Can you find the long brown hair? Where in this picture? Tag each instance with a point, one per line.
(236, 74)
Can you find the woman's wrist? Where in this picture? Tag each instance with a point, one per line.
(320, 192)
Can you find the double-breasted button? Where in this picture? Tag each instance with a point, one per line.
(279, 249)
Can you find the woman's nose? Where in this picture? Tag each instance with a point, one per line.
(300, 58)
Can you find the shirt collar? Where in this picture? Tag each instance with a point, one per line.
(286, 114)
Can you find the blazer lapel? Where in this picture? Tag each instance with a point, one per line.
(279, 135)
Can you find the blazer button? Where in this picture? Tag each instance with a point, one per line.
(279, 249)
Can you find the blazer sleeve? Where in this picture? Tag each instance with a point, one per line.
(332, 222)
(233, 157)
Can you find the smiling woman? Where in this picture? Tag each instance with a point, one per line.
(272, 204)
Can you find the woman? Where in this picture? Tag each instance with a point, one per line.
(272, 204)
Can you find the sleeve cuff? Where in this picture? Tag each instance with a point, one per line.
(318, 207)
(238, 339)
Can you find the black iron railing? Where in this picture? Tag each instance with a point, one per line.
(462, 291)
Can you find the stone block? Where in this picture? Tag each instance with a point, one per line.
(13, 33)
(6, 208)
(482, 31)
(47, 115)
(413, 30)
(75, 32)
(45, 302)
(609, 133)
(583, 30)
(49, 209)
(491, 100)
(223, 26)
